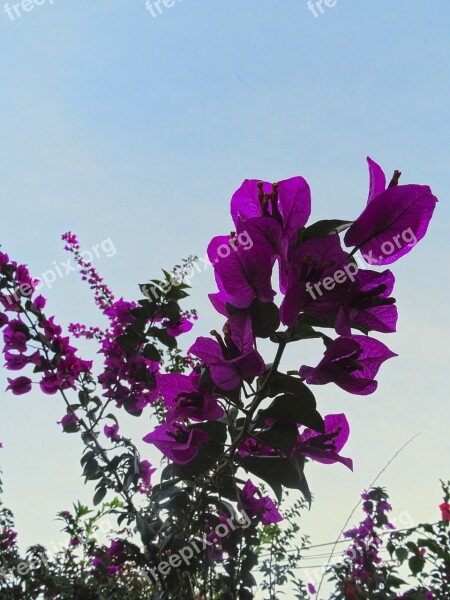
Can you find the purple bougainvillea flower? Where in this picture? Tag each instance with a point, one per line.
(96, 561)
(394, 220)
(367, 302)
(242, 274)
(20, 385)
(351, 362)
(50, 383)
(287, 202)
(219, 301)
(177, 441)
(445, 511)
(4, 259)
(251, 447)
(16, 362)
(232, 358)
(272, 215)
(39, 302)
(182, 326)
(120, 312)
(263, 508)
(311, 589)
(15, 335)
(146, 471)
(325, 447)
(185, 399)
(69, 422)
(314, 263)
(377, 180)
(112, 432)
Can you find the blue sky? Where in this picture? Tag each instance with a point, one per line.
(119, 125)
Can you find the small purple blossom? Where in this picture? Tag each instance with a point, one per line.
(242, 275)
(19, 386)
(263, 508)
(232, 358)
(146, 471)
(185, 399)
(367, 302)
(287, 202)
(112, 432)
(314, 261)
(325, 447)
(351, 362)
(69, 423)
(177, 441)
(394, 220)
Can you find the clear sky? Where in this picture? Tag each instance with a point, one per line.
(120, 125)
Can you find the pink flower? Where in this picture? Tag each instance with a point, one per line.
(49, 383)
(69, 423)
(19, 386)
(146, 472)
(445, 510)
(112, 432)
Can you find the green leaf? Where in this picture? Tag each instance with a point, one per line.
(265, 318)
(163, 337)
(128, 343)
(91, 469)
(145, 529)
(99, 495)
(171, 310)
(151, 352)
(208, 453)
(325, 227)
(291, 408)
(282, 436)
(416, 564)
(277, 472)
(326, 322)
(401, 554)
(286, 384)
(306, 332)
(146, 310)
(176, 292)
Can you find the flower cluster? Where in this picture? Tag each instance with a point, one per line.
(424, 549)
(320, 286)
(364, 552)
(224, 409)
(33, 340)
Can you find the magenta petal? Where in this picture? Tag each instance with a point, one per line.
(19, 386)
(367, 303)
(313, 261)
(377, 179)
(245, 203)
(392, 223)
(207, 350)
(219, 301)
(241, 279)
(225, 376)
(250, 365)
(295, 205)
(172, 385)
(325, 447)
(351, 362)
(186, 401)
(178, 442)
(241, 331)
(338, 423)
(231, 363)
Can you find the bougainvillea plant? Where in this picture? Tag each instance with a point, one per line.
(225, 417)
(381, 562)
